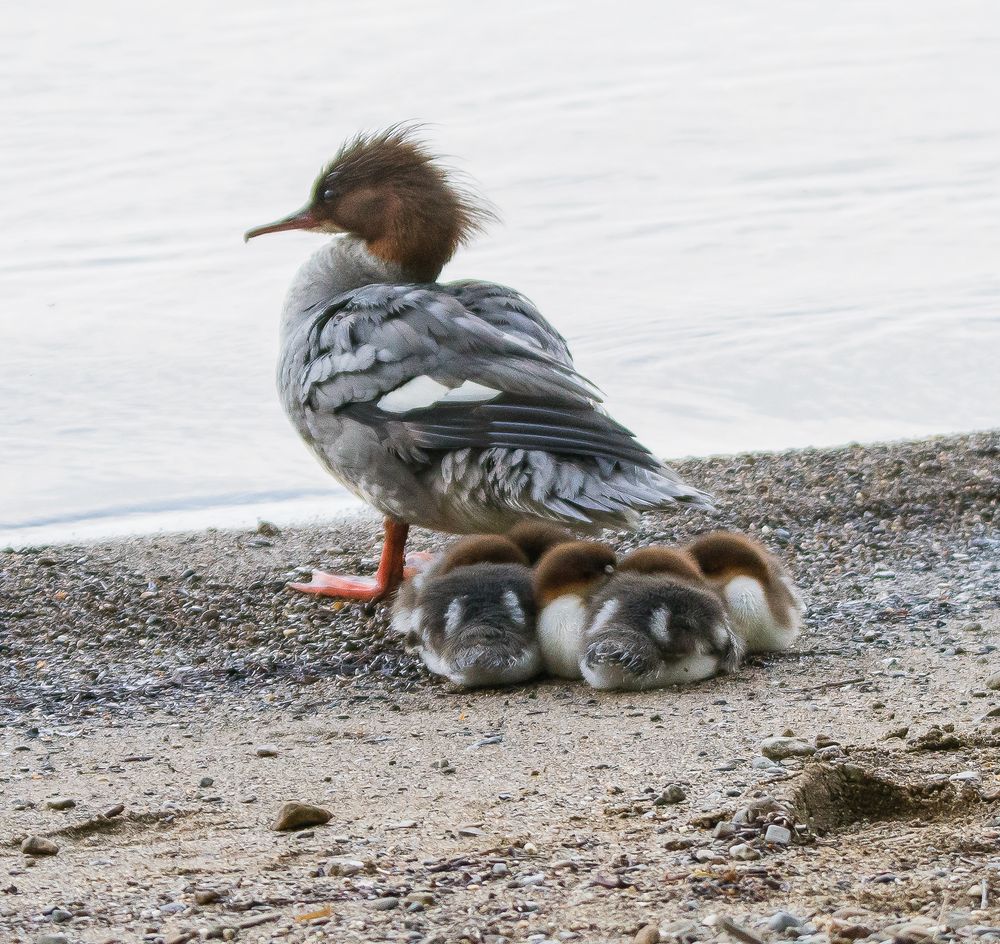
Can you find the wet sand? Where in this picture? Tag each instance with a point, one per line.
(131, 670)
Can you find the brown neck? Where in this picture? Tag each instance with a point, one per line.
(419, 243)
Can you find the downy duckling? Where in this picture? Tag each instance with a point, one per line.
(537, 537)
(471, 614)
(565, 579)
(656, 623)
(765, 607)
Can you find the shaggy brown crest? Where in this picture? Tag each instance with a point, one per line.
(663, 560)
(387, 188)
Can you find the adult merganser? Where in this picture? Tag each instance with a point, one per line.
(566, 579)
(453, 406)
(471, 614)
(764, 604)
(655, 623)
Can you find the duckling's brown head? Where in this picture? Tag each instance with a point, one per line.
(721, 555)
(389, 190)
(481, 549)
(577, 567)
(537, 537)
(663, 560)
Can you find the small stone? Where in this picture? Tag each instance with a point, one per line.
(899, 732)
(526, 881)
(650, 934)
(300, 815)
(60, 915)
(778, 835)
(60, 803)
(993, 682)
(500, 869)
(765, 763)
(266, 750)
(724, 830)
(112, 811)
(206, 782)
(782, 921)
(672, 794)
(384, 904)
(420, 898)
(343, 865)
(743, 852)
(52, 939)
(207, 896)
(39, 846)
(778, 748)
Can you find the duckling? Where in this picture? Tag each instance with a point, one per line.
(565, 579)
(471, 614)
(764, 605)
(656, 623)
(537, 537)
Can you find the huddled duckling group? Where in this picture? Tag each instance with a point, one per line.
(501, 609)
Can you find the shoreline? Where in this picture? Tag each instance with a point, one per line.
(314, 507)
(175, 676)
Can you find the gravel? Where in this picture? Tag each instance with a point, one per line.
(192, 618)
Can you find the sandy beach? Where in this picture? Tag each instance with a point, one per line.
(162, 697)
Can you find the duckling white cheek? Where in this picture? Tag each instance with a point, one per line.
(560, 635)
(753, 619)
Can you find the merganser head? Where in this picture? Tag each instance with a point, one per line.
(577, 567)
(387, 189)
(537, 537)
(663, 560)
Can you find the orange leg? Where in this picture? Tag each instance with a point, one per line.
(365, 589)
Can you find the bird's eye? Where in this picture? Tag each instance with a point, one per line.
(328, 194)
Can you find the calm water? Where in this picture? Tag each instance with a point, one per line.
(760, 225)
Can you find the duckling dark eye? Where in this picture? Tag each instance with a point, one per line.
(329, 194)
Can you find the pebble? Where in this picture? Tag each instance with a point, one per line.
(993, 682)
(672, 794)
(384, 904)
(649, 934)
(778, 748)
(500, 869)
(39, 846)
(52, 939)
(266, 750)
(300, 815)
(343, 865)
(112, 811)
(778, 835)
(743, 852)
(206, 782)
(60, 803)
(724, 830)
(207, 896)
(61, 915)
(782, 921)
